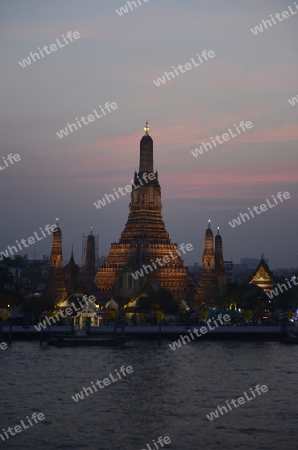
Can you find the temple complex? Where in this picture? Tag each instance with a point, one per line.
(132, 268)
(143, 240)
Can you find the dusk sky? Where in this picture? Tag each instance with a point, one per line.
(116, 59)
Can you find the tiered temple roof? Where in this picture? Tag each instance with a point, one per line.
(263, 277)
(143, 240)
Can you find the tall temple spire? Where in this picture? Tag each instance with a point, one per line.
(146, 152)
(71, 274)
(55, 288)
(209, 248)
(143, 241)
(71, 255)
(218, 249)
(89, 263)
(208, 292)
(56, 254)
(219, 264)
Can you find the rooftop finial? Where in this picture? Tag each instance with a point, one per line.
(217, 230)
(209, 224)
(57, 221)
(146, 128)
(91, 230)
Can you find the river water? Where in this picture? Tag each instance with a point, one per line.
(168, 393)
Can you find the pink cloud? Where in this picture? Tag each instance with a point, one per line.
(228, 183)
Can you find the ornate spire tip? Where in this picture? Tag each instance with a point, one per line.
(146, 128)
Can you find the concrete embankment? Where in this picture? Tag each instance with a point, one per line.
(154, 332)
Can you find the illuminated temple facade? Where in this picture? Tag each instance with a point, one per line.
(55, 288)
(263, 277)
(212, 287)
(143, 240)
(63, 282)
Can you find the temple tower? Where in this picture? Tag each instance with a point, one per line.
(71, 274)
(143, 240)
(146, 152)
(89, 262)
(55, 287)
(56, 254)
(208, 290)
(88, 271)
(219, 265)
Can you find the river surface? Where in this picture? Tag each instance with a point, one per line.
(168, 393)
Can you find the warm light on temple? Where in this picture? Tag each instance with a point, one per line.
(146, 128)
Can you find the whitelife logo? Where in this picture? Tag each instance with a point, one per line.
(11, 158)
(241, 400)
(165, 259)
(293, 101)
(285, 14)
(146, 177)
(31, 240)
(124, 9)
(281, 287)
(53, 48)
(184, 339)
(51, 320)
(225, 137)
(161, 441)
(86, 120)
(188, 66)
(102, 383)
(18, 428)
(263, 207)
